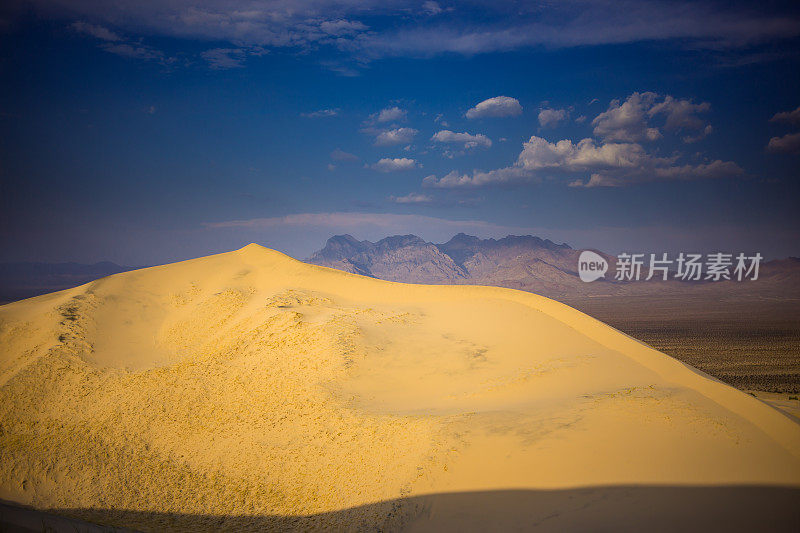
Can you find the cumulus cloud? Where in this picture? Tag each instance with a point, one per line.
(605, 164)
(340, 155)
(499, 106)
(788, 144)
(466, 139)
(549, 118)
(630, 121)
(393, 165)
(390, 114)
(395, 136)
(790, 117)
(412, 198)
(627, 121)
(332, 112)
(455, 180)
(681, 114)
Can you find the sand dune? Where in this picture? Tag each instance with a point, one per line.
(252, 388)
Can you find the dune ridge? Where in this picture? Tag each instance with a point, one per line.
(251, 384)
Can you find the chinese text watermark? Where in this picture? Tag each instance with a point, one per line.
(717, 266)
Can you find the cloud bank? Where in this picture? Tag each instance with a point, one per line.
(616, 156)
(366, 30)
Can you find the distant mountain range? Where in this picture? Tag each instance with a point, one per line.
(520, 262)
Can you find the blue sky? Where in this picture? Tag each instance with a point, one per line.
(146, 132)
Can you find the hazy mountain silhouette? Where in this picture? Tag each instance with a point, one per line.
(521, 262)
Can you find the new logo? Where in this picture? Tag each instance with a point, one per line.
(591, 266)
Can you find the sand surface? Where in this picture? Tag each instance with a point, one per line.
(250, 390)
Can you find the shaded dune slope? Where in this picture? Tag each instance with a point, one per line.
(253, 387)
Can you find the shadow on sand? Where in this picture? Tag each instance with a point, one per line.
(618, 508)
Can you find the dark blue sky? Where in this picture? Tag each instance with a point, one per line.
(147, 132)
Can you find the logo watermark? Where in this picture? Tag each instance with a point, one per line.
(686, 267)
(591, 266)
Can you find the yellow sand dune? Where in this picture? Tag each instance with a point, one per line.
(251, 390)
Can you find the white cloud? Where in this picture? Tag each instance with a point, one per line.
(605, 164)
(98, 32)
(788, 144)
(791, 117)
(538, 153)
(681, 114)
(456, 180)
(468, 140)
(549, 118)
(629, 121)
(332, 112)
(390, 114)
(499, 106)
(395, 136)
(340, 155)
(393, 165)
(412, 198)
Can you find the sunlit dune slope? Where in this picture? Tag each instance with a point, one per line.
(251, 384)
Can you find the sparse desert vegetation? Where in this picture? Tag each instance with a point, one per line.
(752, 343)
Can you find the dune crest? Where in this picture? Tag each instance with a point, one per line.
(251, 384)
